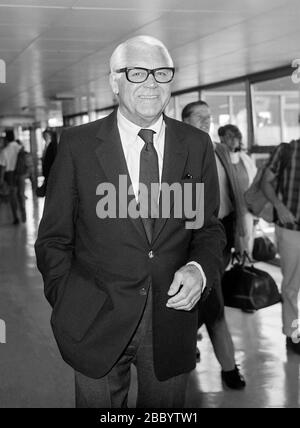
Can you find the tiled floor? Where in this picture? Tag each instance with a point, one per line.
(33, 374)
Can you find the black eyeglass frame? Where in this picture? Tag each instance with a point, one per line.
(126, 70)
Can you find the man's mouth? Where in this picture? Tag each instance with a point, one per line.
(148, 97)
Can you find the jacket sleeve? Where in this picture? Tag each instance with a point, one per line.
(208, 242)
(49, 159)
(55, 243)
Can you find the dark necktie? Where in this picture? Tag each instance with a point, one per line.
(149, 174)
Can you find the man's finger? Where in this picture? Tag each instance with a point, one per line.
(186, 307)
(183, 298)
(176, 284)
(180, 300)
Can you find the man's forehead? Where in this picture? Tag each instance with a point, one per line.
(201, 110)
(145, 55)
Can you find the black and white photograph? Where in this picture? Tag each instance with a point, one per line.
(149, 207)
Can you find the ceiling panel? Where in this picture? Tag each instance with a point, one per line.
(177, 30)
(247, 35)
(128, 4)
(107, 20)
(61, 45)
(245, 6)
(13, 44)
(18, 32)
(38, 3)
(78, 33)
(248, 6)
(28, 16)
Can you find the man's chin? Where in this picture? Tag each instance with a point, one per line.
(150, 115)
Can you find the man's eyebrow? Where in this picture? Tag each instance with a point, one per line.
(203, 117)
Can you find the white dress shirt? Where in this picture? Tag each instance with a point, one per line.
(10, 156)
(132, 146)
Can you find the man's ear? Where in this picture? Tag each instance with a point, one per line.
(114, 84)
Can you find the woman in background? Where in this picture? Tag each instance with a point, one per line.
(245, 171)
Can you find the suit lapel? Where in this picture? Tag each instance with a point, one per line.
(175, 157)
(112, 160)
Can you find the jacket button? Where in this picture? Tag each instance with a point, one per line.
(143, 292)
(151, 255)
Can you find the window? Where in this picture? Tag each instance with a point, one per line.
(228, 105)
(276, 105)
(85, 119)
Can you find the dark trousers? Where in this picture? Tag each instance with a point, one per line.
(21, 196)
(111, 391)
(229, 224)
(16, 194)
(9, 177)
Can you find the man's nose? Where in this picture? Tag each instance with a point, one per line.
(151, 81)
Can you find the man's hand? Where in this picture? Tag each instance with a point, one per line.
(191, 281)
(284, 215)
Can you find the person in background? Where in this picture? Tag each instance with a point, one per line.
(29, 167)
(21, 173)
(2, 169)
(198, 114)
(48, 158)
(10, 156)
(284, 166)
(244, 171)
(2, 158)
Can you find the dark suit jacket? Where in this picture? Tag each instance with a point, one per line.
(96, 271)
(48, 159)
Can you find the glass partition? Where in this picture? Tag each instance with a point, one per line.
(276, 105)
(228, 105)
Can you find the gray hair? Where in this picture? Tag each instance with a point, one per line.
(118, 58)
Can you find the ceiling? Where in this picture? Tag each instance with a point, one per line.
(61, 48)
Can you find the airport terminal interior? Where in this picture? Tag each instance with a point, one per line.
(242, 57)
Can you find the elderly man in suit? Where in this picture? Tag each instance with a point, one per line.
(125, 289)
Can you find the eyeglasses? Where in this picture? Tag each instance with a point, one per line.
(140, 75)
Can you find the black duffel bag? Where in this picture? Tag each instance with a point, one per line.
(248, 288)
(264, 250)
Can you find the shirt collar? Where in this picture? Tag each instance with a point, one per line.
(132, 129)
